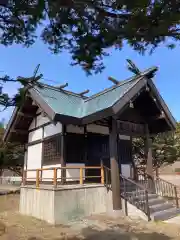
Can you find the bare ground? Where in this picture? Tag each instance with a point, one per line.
(13, 226)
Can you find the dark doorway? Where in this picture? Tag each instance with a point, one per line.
(75, 148)
(97, 153)
(125, 154)
(124, 151)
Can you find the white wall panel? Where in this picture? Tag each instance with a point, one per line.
(39, 110)
(25, 159)
(124, 137)
(35, 135)
(97, 129)
(126, 170)
(32, 125)
(41, 120)
(71, 174)
(74, 129)
(38, 121)
(74, 174)
(48, 175)
(52, 129)
(34, 154)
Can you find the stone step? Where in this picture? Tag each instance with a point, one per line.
(165, 214)
(160, 207)
(141, 195)
(156, 201)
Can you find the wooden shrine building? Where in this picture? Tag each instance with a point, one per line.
(65, 130)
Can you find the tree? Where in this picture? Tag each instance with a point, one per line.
(165, 149)
(11, 155)
(25, 85)
(88, 28)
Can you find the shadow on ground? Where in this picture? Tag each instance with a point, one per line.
(123, 234)
(119, 234)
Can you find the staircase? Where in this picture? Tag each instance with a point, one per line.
(155, 197)
(159, 208)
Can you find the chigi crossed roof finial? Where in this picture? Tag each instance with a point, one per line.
(113, 80)
(83, 93)
(62, 86)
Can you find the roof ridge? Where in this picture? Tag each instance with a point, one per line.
(62, 90)
(121, 83)
(111, 88)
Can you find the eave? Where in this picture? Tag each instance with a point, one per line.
(114, 110)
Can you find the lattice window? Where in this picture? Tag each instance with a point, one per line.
(52, 150)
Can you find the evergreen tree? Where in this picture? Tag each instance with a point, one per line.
(11, 154)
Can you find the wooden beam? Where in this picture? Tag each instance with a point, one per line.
(19, 131)
(113, 80)
(25, 115)
(63, 86)
(42, 152)
(86, 149)
(102, 123)
(148, 152)
(84, 92)
(63, 154)
(115, 178)
(129, 128)
(161, 116)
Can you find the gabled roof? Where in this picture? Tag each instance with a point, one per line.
(62, 105)
(70, 104)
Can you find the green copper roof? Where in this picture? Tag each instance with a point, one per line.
(107, 98)
(70, 108)
(61, 101)
(71, 104)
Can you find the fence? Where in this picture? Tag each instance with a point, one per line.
(11, 180)
(59, 175)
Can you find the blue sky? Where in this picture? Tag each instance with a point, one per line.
(19, 61)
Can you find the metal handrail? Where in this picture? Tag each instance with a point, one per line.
(135, 194)
(107, 177)
(133, 182)
(138, 197)
(160, 186)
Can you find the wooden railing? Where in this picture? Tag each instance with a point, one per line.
(81, 178)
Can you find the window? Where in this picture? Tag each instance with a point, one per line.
(52, 150)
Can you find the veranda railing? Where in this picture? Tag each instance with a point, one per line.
(55, 179)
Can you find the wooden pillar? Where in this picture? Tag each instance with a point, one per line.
(148, 153)
(63, 153)
(85, 151)
(42, 153)
(115, 178)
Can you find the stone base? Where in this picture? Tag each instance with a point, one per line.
(116, 213)
(64, 204)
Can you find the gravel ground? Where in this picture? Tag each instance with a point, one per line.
(14, 226)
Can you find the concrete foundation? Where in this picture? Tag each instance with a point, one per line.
(68, 203)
